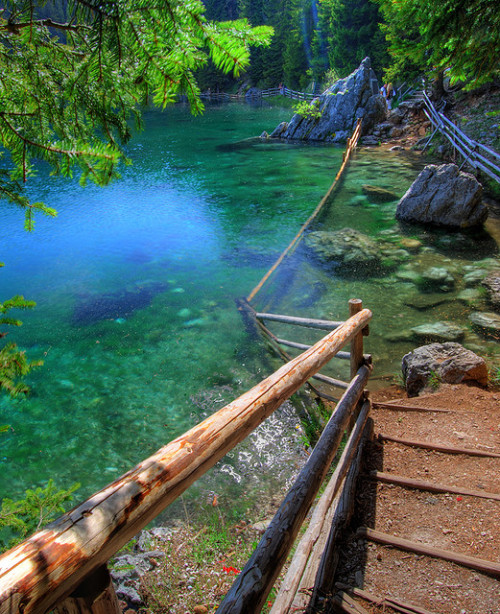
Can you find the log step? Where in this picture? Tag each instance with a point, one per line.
(391, 478)
(439, 447)
(488, 567)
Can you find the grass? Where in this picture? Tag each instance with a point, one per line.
(201, 562)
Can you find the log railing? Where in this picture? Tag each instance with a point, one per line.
(479, 156)
(63, 567)
(268, 93)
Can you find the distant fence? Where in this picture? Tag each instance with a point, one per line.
(254, 93)
(479, 156)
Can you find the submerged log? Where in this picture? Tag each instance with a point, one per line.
(42, 570)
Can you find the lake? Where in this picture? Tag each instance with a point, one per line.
(136, 284)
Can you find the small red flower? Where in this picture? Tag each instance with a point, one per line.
(459, 498)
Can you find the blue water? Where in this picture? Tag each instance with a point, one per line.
(135, 286)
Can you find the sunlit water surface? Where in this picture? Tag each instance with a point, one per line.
(136, 284)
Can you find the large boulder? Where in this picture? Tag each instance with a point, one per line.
(450, 363)
(340, 106)
(444, 196)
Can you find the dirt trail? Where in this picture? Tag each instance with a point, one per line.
(451, 521)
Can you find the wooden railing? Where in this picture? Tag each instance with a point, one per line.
(479, 156)
(268, 93)
(64, 566)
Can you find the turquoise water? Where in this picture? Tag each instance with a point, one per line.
(135, 286)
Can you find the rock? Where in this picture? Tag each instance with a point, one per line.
(200, 609)
(129, 594)
(437, 278)
(486, 323)
(369, 141)
(409, 276)
(492, 285)
(444, 196)
(422, 302)
(469, 296)
(473, 278)
(450, 362)
(348, 250)
(379, 195)
(438, 331)
(412, 245)
(264, 136)
(356, 96)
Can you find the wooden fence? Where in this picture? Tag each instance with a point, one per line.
(479, 156)
(252, 94)
(64, 566)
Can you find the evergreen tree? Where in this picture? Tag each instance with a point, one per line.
(353, 33)
(461, 36)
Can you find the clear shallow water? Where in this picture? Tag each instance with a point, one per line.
(135, 287)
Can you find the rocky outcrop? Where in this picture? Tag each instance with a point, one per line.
(444, 196)
(338, 108)
(450, 363)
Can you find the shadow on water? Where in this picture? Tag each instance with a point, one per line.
(90, 309)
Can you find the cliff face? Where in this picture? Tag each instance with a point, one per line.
(340, 106)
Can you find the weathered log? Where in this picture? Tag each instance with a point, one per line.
(381, 405)
(401, 606)
(347, 604)
(249, 591)
(488, 567)
(96, 595)
(439, 447)
(323, 584)
(355, 306)
(307, 322)
(400, 480)
(303, 346)
(310, 548)
(42, 570)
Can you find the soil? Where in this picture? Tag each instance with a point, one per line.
(455, 522)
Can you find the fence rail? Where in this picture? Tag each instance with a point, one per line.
(479, 156)
(64, 566)
(268, 93)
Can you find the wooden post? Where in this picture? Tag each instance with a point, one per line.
(95, 595)
(355, 306)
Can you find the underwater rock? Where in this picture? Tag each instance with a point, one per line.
(90, 309)
(422, 302)
(492, 285)
(445, 196)
(339, 107)
(412, 245)
(487, 323)
(348, 250)
(437, 278)
(450, 362)
(378, 194)
(438, 331)
(474, 278)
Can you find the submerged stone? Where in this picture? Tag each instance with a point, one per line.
(487, 323)
(438, 331)
(437, 278)
(347, 250)
(492, 285)
(422, 302)
(378, 194)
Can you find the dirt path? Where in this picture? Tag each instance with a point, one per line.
(452, 521)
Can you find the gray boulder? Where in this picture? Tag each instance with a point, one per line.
(444, 196)
(438, 331)
(450, 363)
(356, 96)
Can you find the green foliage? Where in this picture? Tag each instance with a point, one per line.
(68, 101)
(434, 380)
(309, 110)
(460, 36)
(19, 519)
(13, 363)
